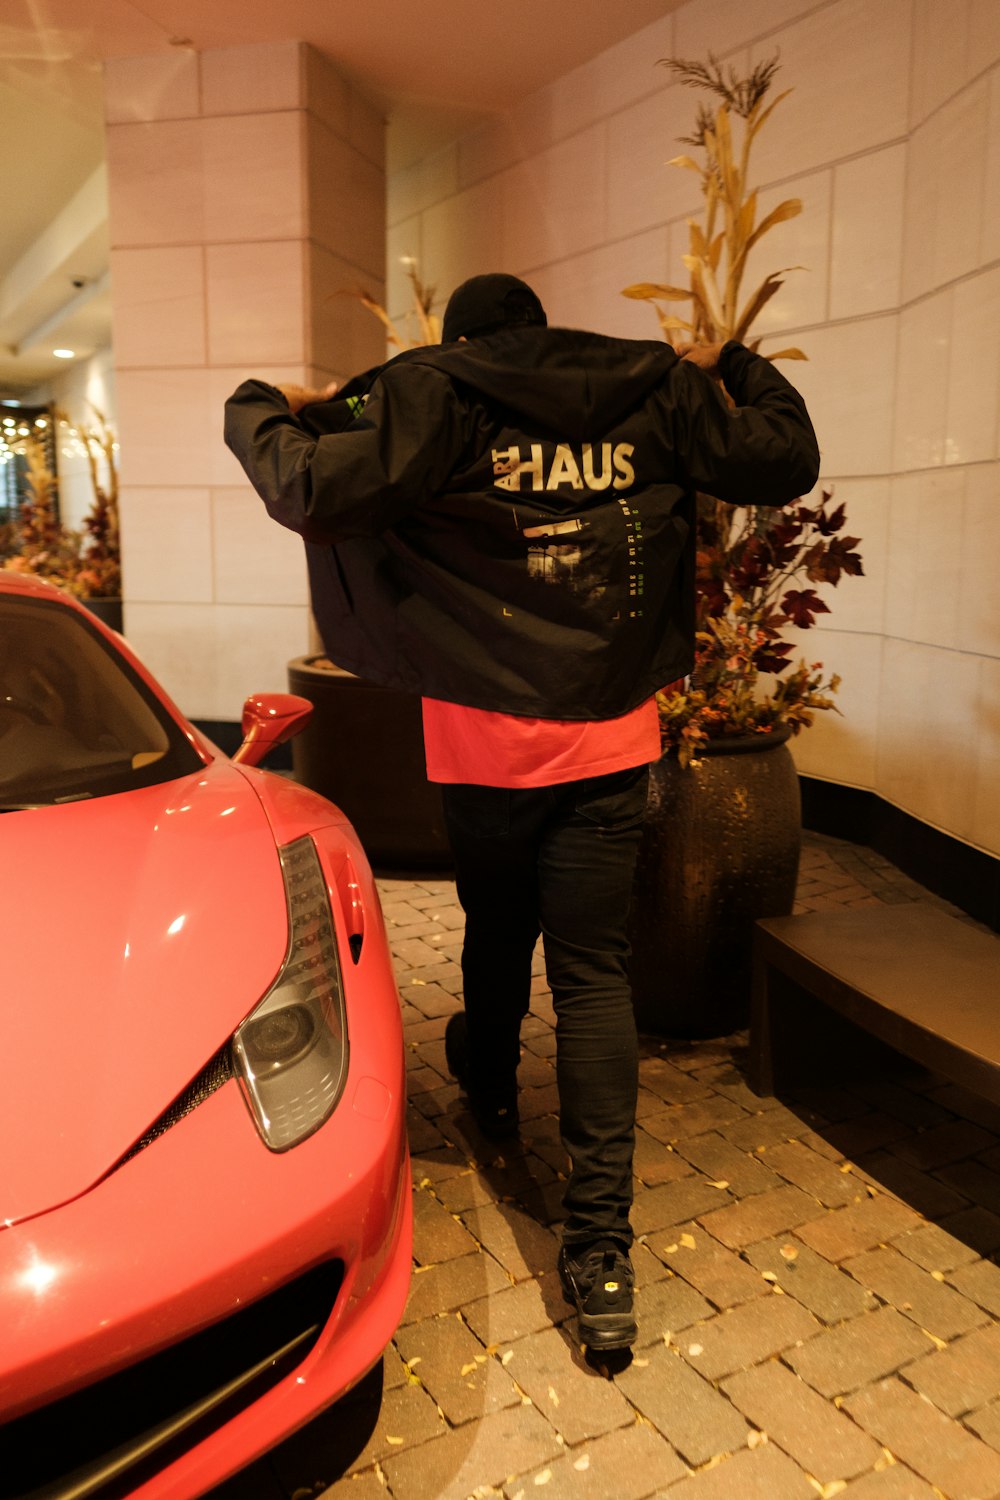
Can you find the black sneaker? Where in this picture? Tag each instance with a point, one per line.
(599, 1279)
(494, 1111)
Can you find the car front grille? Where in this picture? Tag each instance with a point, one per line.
(105, 1440)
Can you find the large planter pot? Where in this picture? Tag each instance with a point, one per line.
(364, 749)
(720, 848)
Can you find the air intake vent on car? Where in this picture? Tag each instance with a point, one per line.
(102, 1442)
(217, 1071)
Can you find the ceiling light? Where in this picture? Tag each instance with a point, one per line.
(64, 353)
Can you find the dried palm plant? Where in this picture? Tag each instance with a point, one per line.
(428, 323)
(720, 244)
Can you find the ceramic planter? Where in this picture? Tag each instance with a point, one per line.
(720, 848)
(364, 750)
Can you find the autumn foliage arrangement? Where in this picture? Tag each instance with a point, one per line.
(87, 563)
(755, 564)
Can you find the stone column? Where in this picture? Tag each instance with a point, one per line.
(247, 203)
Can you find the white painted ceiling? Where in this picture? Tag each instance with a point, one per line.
(436, 68)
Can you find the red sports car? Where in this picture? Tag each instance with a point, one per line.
(204, 1187)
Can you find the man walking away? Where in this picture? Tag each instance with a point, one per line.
(506, 524)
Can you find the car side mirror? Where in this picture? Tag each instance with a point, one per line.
(270, 719)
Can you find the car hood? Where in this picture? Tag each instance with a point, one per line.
(139, 930)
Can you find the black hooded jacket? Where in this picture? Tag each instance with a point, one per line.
(509, 523)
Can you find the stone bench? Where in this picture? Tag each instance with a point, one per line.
(910, 977)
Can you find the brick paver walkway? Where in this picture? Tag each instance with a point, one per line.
(816, 1287)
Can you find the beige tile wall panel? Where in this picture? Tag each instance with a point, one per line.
(725, 25)
(167, 545)
(586, 290)
(159, 306)
(159, 87)
(924, 570)
(254, 166)
(209, 657)
(866, 233)
(847, 65)
(253, 80)
(403, 240)
(343, 336)
(848, 382)
(857, 605)
(928, 758)
(801, 244)
(940, 54)
(974, 371)
(555, 204)
(253, 558)
(979, 611)
(428, 181)
(346, 212)
(168, 428)
(840, 746)
(922, 384)
(642, 189)
(466, 236)
(989, 244)
(156, 185)
(256, 302)
(983, 37)
(986, 808)
(946, 173)
(233, 231)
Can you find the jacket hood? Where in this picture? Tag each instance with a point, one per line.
(578, 384)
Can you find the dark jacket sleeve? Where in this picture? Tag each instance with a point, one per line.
(360, 474)
(762, 451)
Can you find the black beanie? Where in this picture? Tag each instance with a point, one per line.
(485, 303)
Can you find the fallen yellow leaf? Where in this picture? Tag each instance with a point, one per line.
(687, 1240)
(769, 1275)
(506, 1358)
(789, 1252)
(756, 1439)
(543, 1477)
(583, 1462)
(553, 1397)
(938, 1275)
(695, 1349)
(395, 1441)
(670, 1249)
(719, 1184)
(468, 1369)
(414, 1361)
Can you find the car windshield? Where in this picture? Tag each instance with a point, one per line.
(75, 720)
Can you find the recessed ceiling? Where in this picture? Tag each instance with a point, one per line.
(436, 69)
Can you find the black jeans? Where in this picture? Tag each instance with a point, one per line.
(557, 860)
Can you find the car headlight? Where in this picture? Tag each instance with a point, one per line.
(290, 1054)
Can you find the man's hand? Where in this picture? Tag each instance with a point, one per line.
(705, 356)
(299, 396)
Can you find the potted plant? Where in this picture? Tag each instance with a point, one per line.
(364, 746)
(722, 837)
(87, 563)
